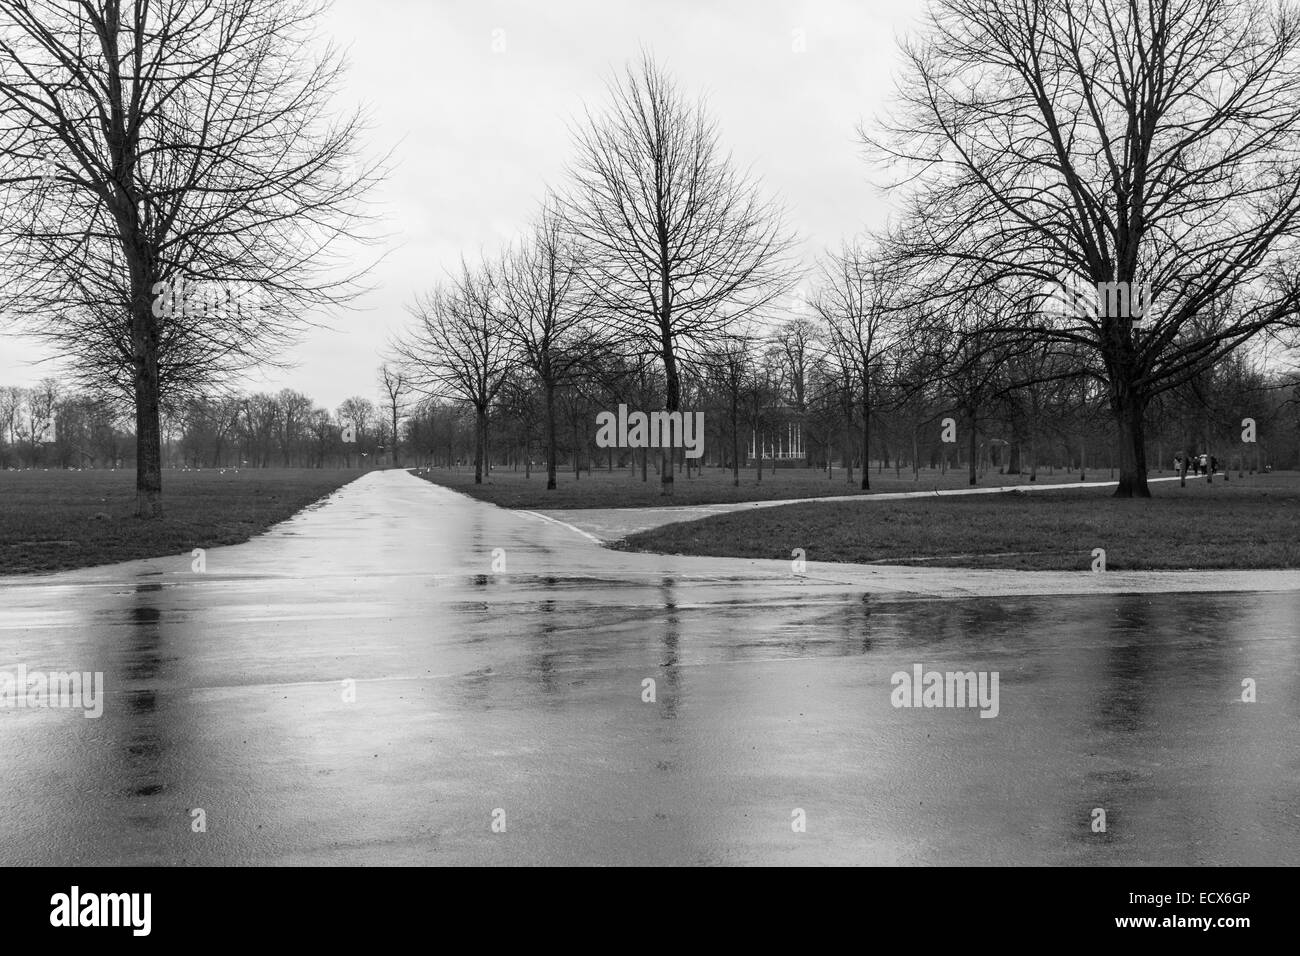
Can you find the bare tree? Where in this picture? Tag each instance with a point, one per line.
(678, 243)
(729, 367)
(857, 302)
(295, 409)
(1147, 145)
(261, 425)
(458, 348)
(548, 312)
(320, 426)
(359, 413)
(146, 143)
(11, 403)
(797, 339)
(393, 381)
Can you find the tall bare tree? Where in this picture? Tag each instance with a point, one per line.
(458, 348)
(393, 381)
(730, 368)
(797, 340)
(147, 143)
(857, 302)
(359, 413)
(11, 403)
(548, 314)
(678, 242)
(1150, 143)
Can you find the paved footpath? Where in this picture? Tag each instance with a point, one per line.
(380, 678)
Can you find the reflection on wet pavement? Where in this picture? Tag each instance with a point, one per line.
(524, 691)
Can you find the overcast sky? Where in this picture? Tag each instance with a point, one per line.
(476, 100)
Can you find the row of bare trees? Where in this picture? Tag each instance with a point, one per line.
(1040, 145)
(286, 429)
(52, 425)
(1015, 412)
(657, 246)
(46, 426)
(805, 381)
(1043, 146)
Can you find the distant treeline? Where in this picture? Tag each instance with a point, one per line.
(786, 398)
(789, 395)
(256, 430)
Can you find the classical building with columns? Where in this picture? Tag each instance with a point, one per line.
(782, 440)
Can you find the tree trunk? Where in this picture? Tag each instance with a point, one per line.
(866, 437)
(1129, 411)
(973, 449)
(148, 428)
(397, 461)
(673, 390)
(480, 443)
(735, 443)
(550, 436)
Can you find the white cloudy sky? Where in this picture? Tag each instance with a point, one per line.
(477, 135)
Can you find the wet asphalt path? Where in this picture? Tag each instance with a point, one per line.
(520, 691)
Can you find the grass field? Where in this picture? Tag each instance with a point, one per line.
(55, 520)
(1244, 523)
(620, 489)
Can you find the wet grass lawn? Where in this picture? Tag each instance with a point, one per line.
(1243, 523)
(56, 520)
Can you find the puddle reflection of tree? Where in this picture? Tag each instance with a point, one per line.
(145, 737)
(542, 660)
(670, 666)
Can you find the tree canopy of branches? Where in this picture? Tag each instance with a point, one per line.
(393, 383)
(678, 242)
(1062, 142)
(857, 302)
(149, 143)
(458, 347)
(549, 314)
